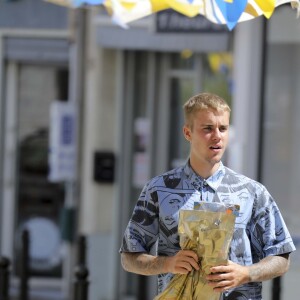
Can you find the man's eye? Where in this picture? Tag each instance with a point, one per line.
(223, 129)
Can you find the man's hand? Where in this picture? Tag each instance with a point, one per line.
(229, 276)
(145, 264)
(182, 262)
(232, 275)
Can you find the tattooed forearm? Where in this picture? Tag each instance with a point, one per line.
(268, 268)
(143, 264)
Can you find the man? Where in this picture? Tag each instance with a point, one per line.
(261, 242)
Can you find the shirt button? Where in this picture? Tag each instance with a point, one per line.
(205, 183)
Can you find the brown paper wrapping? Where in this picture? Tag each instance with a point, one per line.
(209, 234)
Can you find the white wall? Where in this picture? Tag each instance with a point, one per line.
(97, 213)
(243, 150)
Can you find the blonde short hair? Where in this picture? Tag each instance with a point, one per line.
(203, 101)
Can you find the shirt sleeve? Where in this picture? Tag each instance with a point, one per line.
(269, 233)
(142, 229)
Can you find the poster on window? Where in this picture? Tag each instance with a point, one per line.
(62, 142)
(141, 158)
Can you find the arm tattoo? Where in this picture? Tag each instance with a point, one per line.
(143, 264)
(269, 267)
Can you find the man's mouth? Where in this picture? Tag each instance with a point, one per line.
(215, 147)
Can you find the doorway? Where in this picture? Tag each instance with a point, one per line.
(29, 200)
(156, 85)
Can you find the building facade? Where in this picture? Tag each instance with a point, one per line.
(34, 72)
(127, 88)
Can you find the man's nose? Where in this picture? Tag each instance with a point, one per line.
(217, 134)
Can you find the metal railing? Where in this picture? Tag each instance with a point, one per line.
(81, 272)
(4, 278)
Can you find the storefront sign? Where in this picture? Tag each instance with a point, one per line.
(172, 21)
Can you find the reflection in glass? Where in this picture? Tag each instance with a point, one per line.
(39, 202)
(185, 60)
(213, 74)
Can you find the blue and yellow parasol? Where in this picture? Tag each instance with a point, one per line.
(228, 12)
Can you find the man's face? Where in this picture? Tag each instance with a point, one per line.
(208, 137)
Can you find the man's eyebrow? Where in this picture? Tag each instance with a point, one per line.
(223, 125)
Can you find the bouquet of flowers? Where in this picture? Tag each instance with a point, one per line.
(207, 230)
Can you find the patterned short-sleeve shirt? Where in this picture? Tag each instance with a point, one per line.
(260, 230)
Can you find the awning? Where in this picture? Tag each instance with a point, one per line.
(228, 12)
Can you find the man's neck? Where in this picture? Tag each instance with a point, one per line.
(204, 171)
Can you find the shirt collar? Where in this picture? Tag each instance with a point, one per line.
(197, 181)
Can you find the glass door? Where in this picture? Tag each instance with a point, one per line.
(39, 201)
(138, 103)
(156, 85)
(30, 201)
(186, 74)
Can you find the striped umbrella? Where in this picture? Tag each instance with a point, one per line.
(228, 12)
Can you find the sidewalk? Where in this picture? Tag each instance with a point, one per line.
(39, 294)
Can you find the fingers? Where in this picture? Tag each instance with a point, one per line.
(183, 268)
(218, 277)
(189, 253)
(219, 281)
(221, 286)
(190, 257)
(184, 262)
(226, 277)
(220, 269)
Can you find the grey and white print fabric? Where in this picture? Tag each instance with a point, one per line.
(260, 230)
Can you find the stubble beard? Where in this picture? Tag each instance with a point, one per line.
(214, 161)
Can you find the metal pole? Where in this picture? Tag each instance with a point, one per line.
(81, 250)
(24, 274)
(4, 278)
(276, 288)
(81, 283)
(76, 84)
(276, 282)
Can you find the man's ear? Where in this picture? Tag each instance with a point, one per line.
(187, 132)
